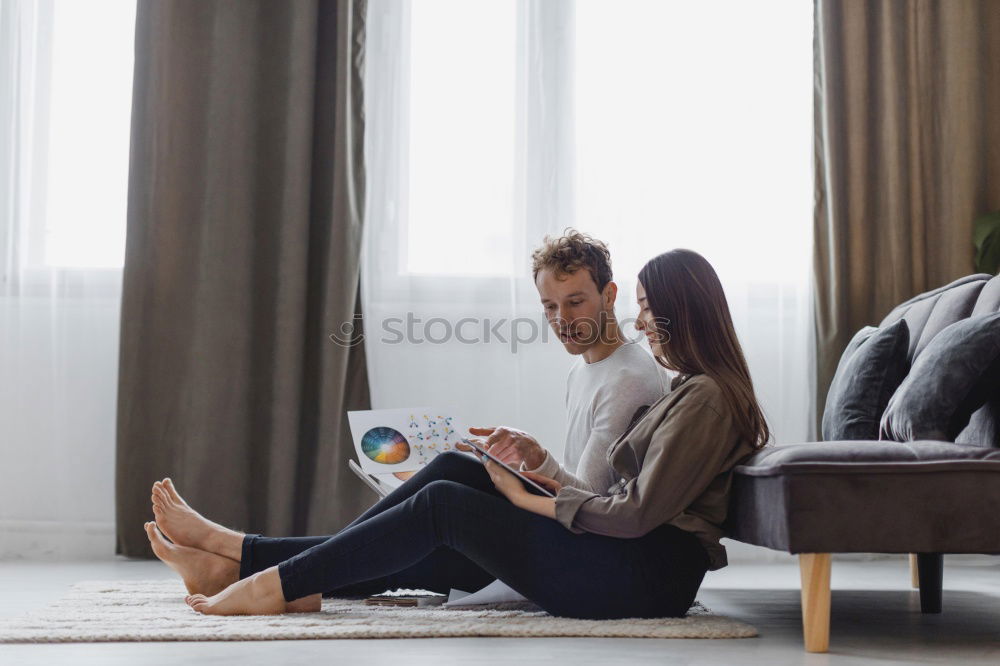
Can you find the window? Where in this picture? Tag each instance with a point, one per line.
(461, 139)
(651, 124)
(687, 123)
(74, 96)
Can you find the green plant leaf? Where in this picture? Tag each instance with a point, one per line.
(986, 238)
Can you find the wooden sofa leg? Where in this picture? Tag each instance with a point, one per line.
(930, 568)
(815, 570)
(914, 576)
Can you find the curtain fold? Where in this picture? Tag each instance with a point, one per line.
(907, 155)
(246, 197)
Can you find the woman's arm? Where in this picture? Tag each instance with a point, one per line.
(514, 490)
(543, 506)
(686, 452)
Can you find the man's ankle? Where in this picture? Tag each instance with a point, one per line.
(226, 542)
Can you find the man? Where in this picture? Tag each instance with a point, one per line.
(611, 379)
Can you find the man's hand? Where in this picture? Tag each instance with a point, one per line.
(512, 445)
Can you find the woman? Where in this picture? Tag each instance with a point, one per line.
(641, 552)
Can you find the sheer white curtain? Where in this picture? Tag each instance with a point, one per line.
(647, 123)
(65, 104)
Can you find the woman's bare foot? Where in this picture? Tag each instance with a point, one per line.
(201, 571)
(259, 594)
(186, 527)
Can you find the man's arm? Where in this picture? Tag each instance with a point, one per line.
(551, 468)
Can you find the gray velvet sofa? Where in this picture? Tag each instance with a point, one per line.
(925, 498)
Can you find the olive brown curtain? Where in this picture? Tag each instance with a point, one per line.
(246, 190)
(907, 154)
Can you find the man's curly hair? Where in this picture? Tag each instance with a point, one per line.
(571, 252)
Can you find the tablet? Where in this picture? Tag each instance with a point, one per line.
(481, 452)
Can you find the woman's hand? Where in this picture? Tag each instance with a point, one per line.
(551, 485)
(508, 484)
(512, 488)
(512, 446)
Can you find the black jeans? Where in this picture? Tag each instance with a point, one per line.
(448, 527)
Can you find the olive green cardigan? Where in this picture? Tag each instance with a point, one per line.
(675, 465)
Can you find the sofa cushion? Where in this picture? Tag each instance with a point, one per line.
(920, 310)
(951, 378)
(868, 497)
(953, 305)
(984, 426)
(870, 370)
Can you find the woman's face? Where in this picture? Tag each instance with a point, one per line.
(645, 322)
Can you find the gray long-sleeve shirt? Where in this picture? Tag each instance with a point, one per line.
(601, 398)
(675, 466)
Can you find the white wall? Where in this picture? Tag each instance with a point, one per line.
(58, 386)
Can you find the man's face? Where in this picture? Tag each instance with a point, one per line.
(574, 308)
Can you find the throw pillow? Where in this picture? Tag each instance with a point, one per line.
(870, 370)
(951, 378)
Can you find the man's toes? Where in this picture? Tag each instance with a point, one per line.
(161, 547)
(168, 484)
(158, 535)
(162, 494)
(163, 537)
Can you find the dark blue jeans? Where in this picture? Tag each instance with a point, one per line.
(448, 527)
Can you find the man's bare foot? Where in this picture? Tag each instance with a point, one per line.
(207, 573)
(201, 571)
(311, 604)
(259, 594)
(186, 527)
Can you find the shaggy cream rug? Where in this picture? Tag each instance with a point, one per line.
(100, 611)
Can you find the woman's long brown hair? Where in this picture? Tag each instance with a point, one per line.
(691, 318)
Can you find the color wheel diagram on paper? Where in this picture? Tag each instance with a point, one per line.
(402, 440)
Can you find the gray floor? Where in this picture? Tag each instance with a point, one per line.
(876, 620)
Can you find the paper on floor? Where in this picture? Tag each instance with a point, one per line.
(494, 593)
